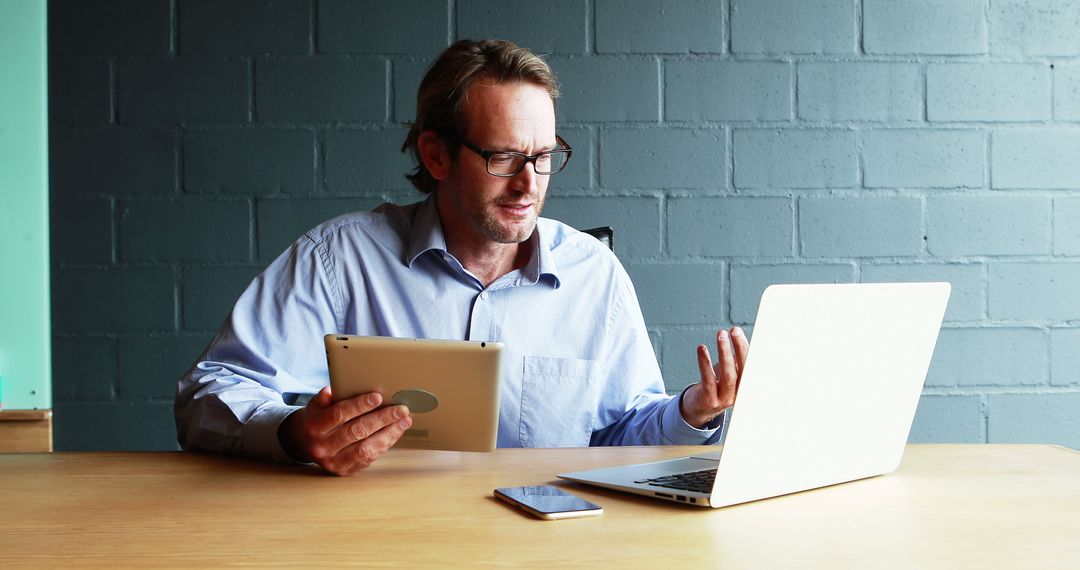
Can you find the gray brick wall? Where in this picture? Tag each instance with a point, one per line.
(731, 143)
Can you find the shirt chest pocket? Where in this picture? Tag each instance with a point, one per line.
(560, 400)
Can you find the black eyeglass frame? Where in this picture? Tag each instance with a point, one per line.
(563, 148)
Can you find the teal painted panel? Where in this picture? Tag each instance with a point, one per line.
(25, 359)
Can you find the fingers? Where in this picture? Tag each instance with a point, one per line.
(362, 454)
(360, 441)
(324, 417)
(719, 382)
(727, 373)
(705, 367)
(742, 348)
(364, 427)
(344, 437)
(324, 399)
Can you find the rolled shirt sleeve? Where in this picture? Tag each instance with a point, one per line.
(267, 352)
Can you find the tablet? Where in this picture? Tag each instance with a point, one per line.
(450, 386)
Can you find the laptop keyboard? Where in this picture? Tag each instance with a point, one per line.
(698, 481)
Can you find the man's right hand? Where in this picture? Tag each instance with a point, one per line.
(343, 437)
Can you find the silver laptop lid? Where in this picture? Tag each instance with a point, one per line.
(830, 388)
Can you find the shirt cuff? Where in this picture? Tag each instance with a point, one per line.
(678, 432)
(261, 433)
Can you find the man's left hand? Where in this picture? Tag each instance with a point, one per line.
(702, 402)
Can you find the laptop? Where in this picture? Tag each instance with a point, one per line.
(828, 394)
(450, 386)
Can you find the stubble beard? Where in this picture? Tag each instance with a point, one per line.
(486, 221)
(513, 234)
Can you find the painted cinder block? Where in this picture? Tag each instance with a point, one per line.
(160, 91)
(1066, 91)
(366, 162)
(80, 92)
(1035, 418)
(988, 92)
(151, 364)
(967, 301)
(837, 227)
(1026, 291)
(579, 172)
(374, 26)
(748, 282)
(92, 300)
(320, 89)
(635, 220)
(860, 92)
(255, 161)
(989, 357)
(108, 27)
(679, 293)
(988, 225)
(924, 158)
(795, 158)
(114, 426)
(728, 90)
(660, 26)
(948, 419)
(1066, 226)
(213, 230)
(556, 27)
(663, 158)
(1065, 356)
(81, 229)
(209, 292)
(408, 74)
(1035, 28)
(605, 89)
(84, 368)
(730, 226)
(237, 27)
(125, 161)
(793, 26)
(954, 27)
(1035, 158)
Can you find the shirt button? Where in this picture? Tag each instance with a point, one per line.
(484, 295)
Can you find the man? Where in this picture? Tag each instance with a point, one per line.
(472, 261)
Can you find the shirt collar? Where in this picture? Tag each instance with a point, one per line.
(542, 263)
(427, 235)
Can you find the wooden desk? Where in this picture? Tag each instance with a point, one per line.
(24, 431)
(949, 506)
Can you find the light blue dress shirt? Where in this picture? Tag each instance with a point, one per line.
(578, 366)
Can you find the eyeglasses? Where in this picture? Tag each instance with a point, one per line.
(507, 163)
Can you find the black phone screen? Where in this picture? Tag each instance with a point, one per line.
(546, 499)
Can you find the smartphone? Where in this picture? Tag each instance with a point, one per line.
(549, 503)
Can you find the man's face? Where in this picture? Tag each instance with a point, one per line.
(515, 117)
